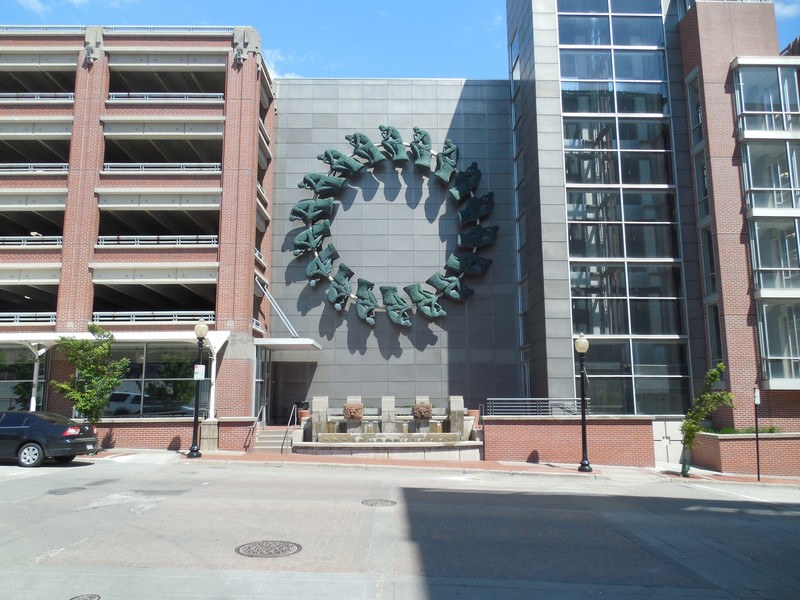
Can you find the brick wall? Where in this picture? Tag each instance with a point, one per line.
(624, 441)
(157, 434)
(780, 453)
(236, 435)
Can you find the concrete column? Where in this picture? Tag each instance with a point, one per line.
(319, 416)
(388, 423)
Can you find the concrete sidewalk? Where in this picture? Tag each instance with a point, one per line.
(663, 470)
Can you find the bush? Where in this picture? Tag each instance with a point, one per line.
(706, 403)
(423, 410)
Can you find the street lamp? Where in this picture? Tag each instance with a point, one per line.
(200, 331)
(581, 347)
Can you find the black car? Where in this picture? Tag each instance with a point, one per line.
(30, 437)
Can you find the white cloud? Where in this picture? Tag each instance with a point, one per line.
(78, 2)
(787, 9)
(273, 56)
(34, 5)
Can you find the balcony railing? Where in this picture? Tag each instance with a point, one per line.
(37, 96)
(158, 240)
(260, 257)
(169, 29)
(163, 96)
(172, 167)
(535, 406)
(35, 167)
(31, 240)
(777, 278)
(154, 316)
(48, 318)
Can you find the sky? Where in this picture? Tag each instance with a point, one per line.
(341, 38)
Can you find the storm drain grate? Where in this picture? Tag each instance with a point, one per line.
(268, 549)
(378, 502)
(86, 597)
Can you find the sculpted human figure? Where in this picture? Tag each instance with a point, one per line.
(421, 148)
(340, 288)
(340, 163)
(478, 236)
(450, 286)
(311, 211)
(396, 307)
(393, 143)
(425, 301)
(364, 148)
(322, 265)
(466, 182)
(476, 208)
(312, 238)
(468, 264)
(366, 302)
(322, 185)
(446, 161)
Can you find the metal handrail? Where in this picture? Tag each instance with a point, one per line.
(292, 415)
(178, 167)
(165, 96)
(155, 240)
(162, 316)
(31, 317)
(35, 167)
(37, 96)
(534, 406)
(168, 29)
(31, 240)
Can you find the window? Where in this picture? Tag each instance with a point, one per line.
(583, 6)
(586, 64)
(709, 263)
(780, 340)
(583, 31)
(638, 31)
(695, 110)
(775, 253)
(636, 6)
(641, 65)
(701, 185)
(587, 97)
(594, 134)
(714, 334)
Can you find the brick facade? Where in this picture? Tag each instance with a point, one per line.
(779, 453)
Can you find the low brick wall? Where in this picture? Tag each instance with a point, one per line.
(236, 434)
(779, 452)
(159, 434)
(619, 440)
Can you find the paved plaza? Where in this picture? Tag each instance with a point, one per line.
(150, 525)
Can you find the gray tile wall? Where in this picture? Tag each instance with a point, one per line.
(395, 226)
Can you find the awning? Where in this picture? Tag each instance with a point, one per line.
(288, 343)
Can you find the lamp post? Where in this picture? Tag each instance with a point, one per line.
(200, 331)
(581, 347)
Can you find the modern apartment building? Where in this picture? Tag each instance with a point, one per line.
(634, 180)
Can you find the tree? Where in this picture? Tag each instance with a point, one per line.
(97, 375)
(706, 403)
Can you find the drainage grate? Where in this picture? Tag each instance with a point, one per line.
(86, 597)
(378, 502)
(268, 549)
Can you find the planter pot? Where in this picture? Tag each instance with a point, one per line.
(302, 414)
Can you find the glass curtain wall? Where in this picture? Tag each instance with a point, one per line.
(624, 246)
(16, 378)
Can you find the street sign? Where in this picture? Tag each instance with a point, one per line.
(199, 372)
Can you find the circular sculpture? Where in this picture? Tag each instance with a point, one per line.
(317, 214)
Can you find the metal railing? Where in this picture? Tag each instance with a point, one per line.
(37, 96)
(157, 240)
(260, 256)
(35, 167)
(172, 167)
(31, 240)
(31, 317)
(535, 406)
(168, 29)
(292, 417)
(48, 28)
(153, 316)
(160, 96)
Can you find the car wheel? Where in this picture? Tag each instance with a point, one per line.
(30, 455)
(65, 459)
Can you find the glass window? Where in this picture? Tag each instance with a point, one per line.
(656, 317)
(593, 205)
(595, 241)
(640, 64)
(651, 241)
(780, 325)
(659, 281)
(591, 167)
(776, 253)
(583, 31)
(169, 361)
(587, 97)
(515, 78)
(660, 358)
(594, 134)
(646, 168)
(695, 110)
(607, 357)
(586, 64)
(169, 397)
(714, 335)
(583, 6)
(701, 184)
(709, 262)
(790, 89)
(599, 316)
(652, 134)
(662, 396)
(642, 7)
(642, 98)
(638, 31)
(759, 89)
(767, 165)
(610, 395)
(597, 280)
(649, 206)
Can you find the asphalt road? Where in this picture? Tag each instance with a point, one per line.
(153, 526)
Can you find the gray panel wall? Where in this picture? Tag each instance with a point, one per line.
(396, 226)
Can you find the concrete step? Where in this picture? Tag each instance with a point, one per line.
(271, 441)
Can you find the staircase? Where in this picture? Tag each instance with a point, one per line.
(269, 440)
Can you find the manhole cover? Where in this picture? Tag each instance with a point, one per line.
(378, 502)
(268, 549)
(86, 597)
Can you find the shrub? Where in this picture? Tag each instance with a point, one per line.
(423, 410)
(706, 403)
